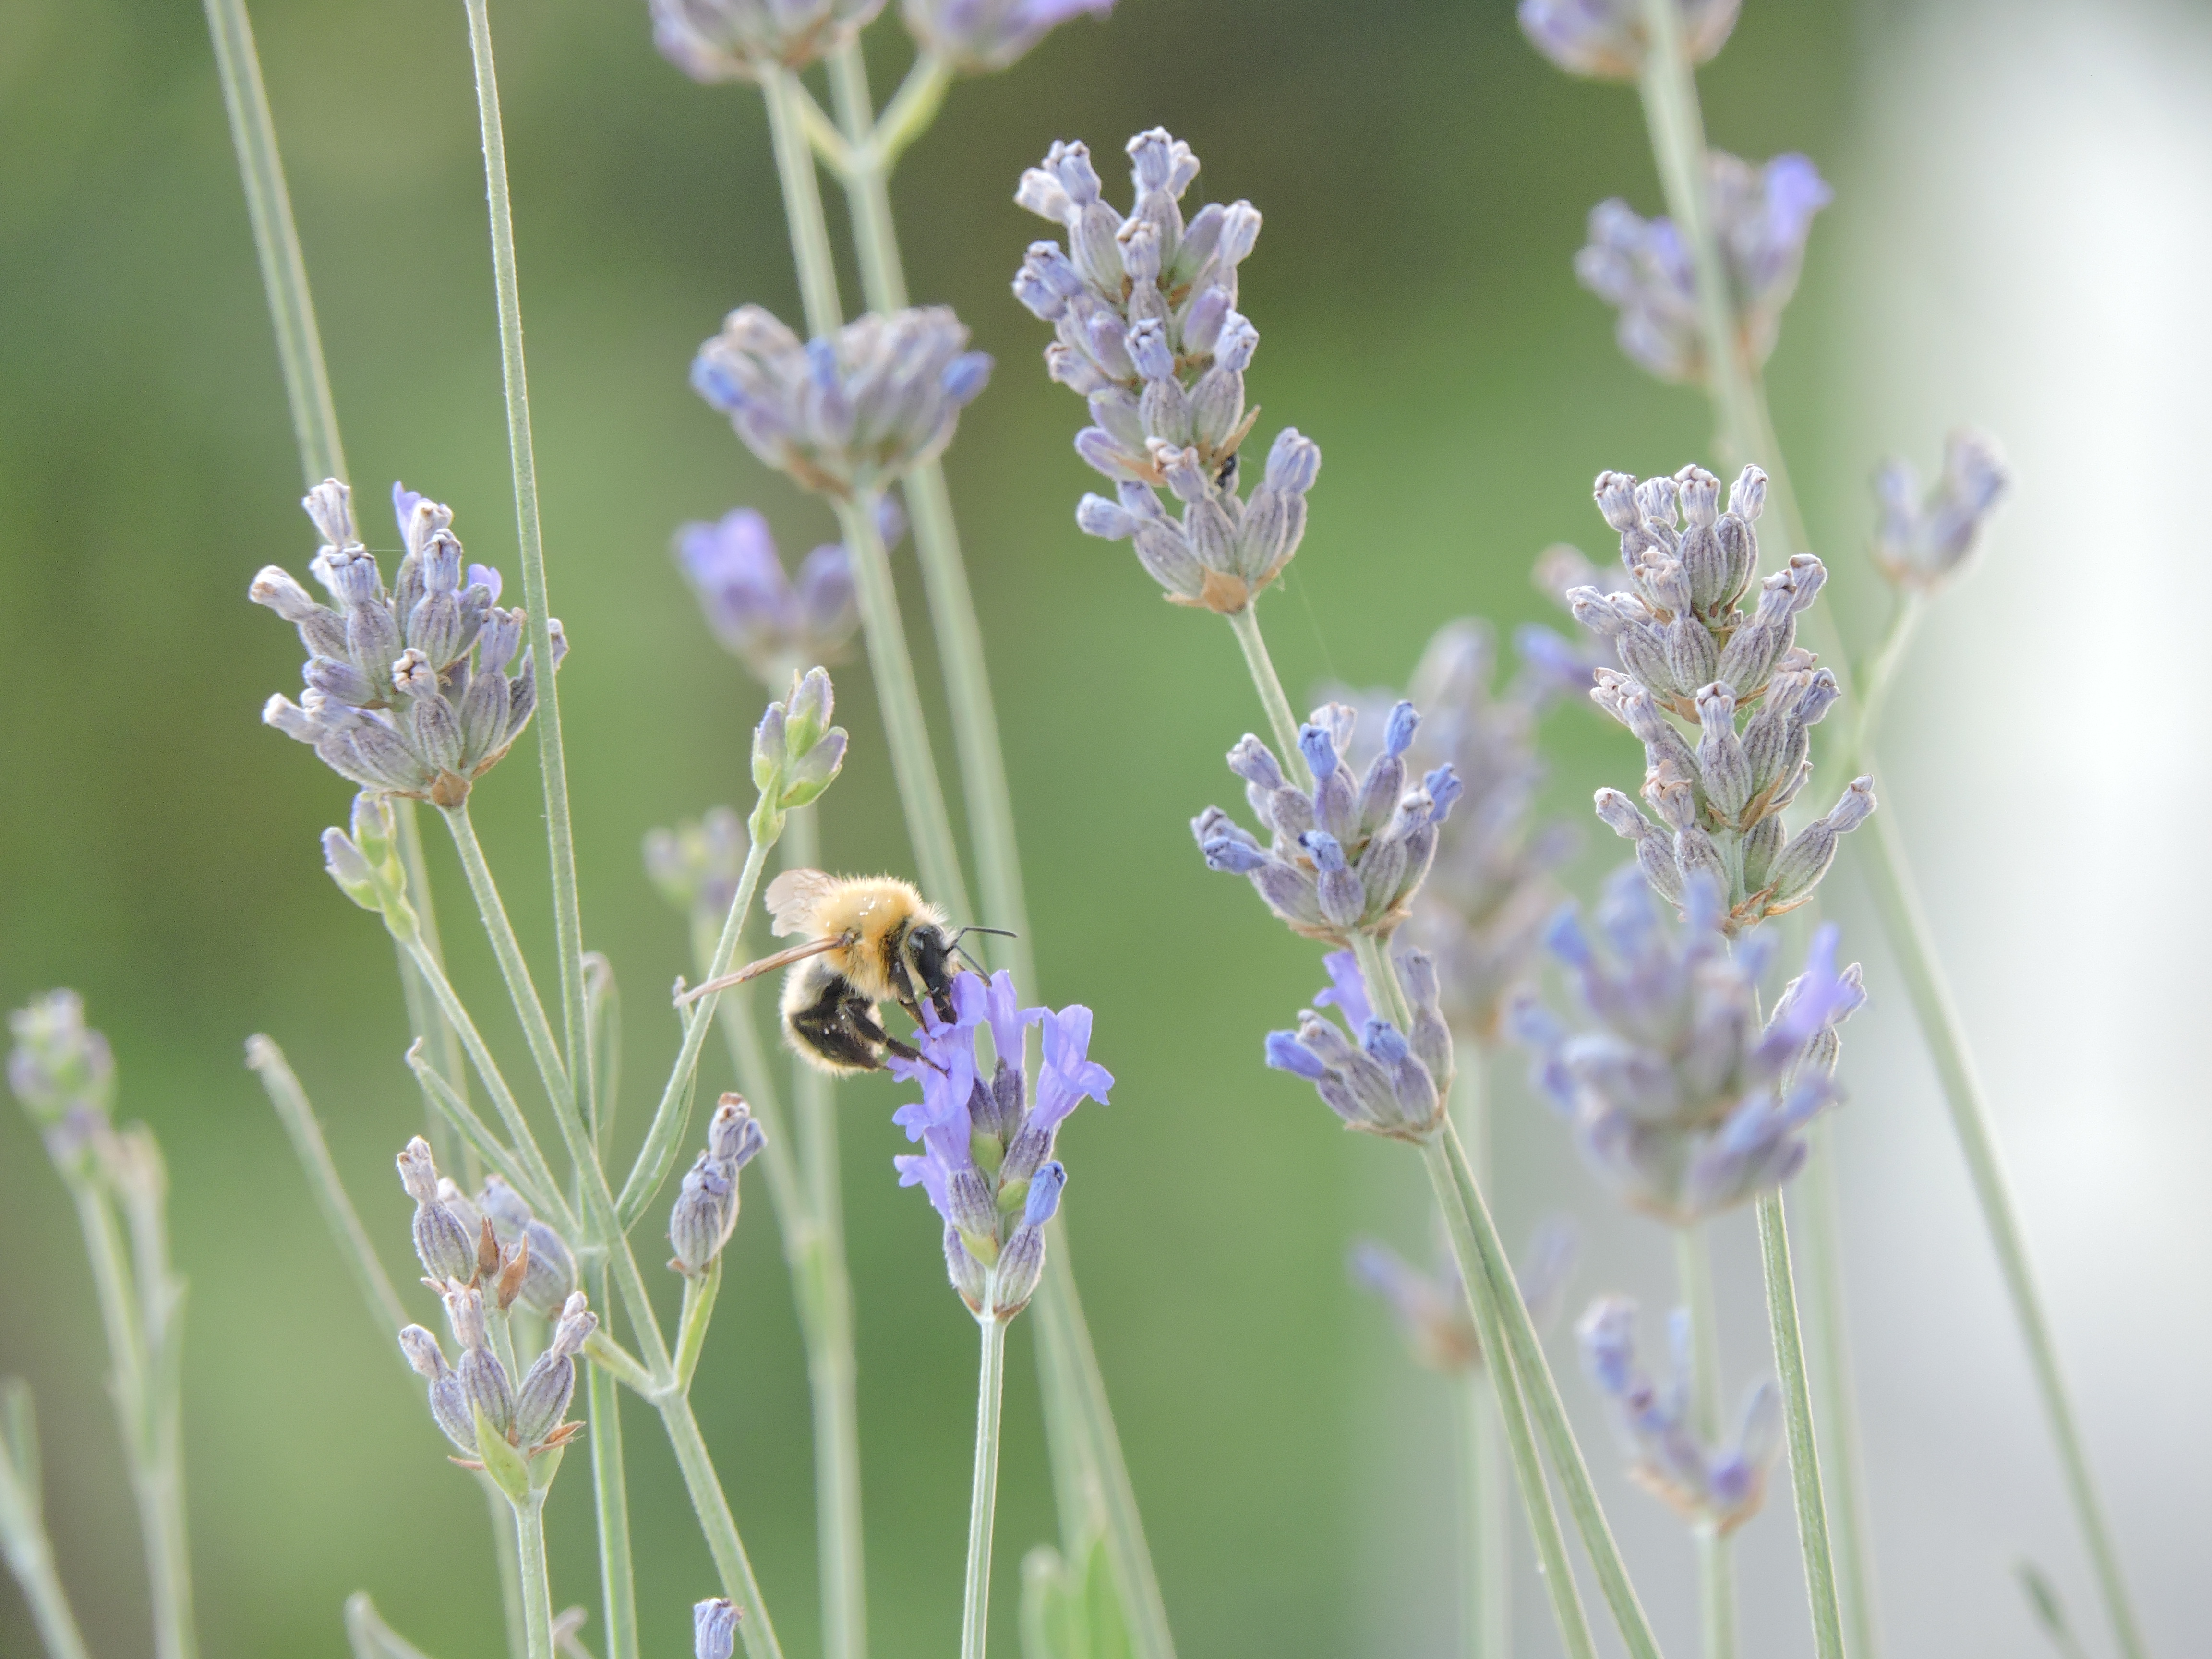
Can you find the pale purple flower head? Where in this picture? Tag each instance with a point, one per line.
(977, 36)
(1716, 1486)
(1762, 216)
(1429, 1306)
(1682, 1100)
(1920, 541)
(713, 40)
(777, 625)
(987, 1136)
(1604, 39)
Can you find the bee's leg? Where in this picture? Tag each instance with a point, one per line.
(864, 1022)
(839, 1031)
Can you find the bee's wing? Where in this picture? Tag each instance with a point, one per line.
(792, 897)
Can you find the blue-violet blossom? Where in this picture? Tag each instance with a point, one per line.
(987, 1161)
(1145, 312)
(1605, 40)
(851, 412)
(1716, 1488)
(407, 690)
(1347, 855)
(977, 36)
(1681, 1100)
(1430, 1307)
(774, 625)
(1920, 542)
(1762, 217)
(1749, 694)
(1390, 1083)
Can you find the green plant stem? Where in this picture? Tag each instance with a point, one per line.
(716, 1522)
(1797, 1419)
(983, 1493)
(1089, 1470)
(1487, 1568)
(664, 1136)
(802, 204)
(507, 1554)
(1245, 624)
(292, 1109)
(1828, 1364)
(276, 242)
(610, 1494)
(23, 1538)
(1557, 1572)
(568, 920)
(1546, 1407)
(536, 1591)
(826, 1306)
(906, 731)
(1716, 1566)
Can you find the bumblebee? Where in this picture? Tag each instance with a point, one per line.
(872, 940)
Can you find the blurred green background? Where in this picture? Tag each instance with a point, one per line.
(1424, 177)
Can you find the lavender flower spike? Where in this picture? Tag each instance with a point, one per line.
(1762, 216)
(977, 36)
(1719, 1487)
(407, 690)
(714, 1628)
(695, 865)
(987, 1137)
(1144, 310)
(1681, 1100)
(851, 412)
(1348, 856)
(714, 40)
(1920, 542)
(1604, 39)
(64, 1072)
(774, 625)
(1746, 696)
(1430, 1307)
(706, 1209)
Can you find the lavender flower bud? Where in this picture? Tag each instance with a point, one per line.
(484, 1384)
(705, 1212)
(449, 1406)
(543, 1400)
(713, 40)
(1020, 1265)
(1921, 542)
(714, 1629)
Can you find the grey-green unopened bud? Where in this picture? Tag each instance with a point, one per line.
(1021, 1264)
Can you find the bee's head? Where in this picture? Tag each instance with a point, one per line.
(932, 963)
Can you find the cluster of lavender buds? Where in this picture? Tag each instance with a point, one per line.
(1481, 911)
(853, 412)
(1691, 654)
(774, 625)
(1920, 541)
(1682, 1101)
(1430, 1307)
(407, 690)
(977, 36)
(1716, 1488)
(479, 1390)
(695, 865)
(714, 40)
(1390, 1083)
(714, 1628)
(797, 753)
(1762, 217)
(492, 1238)
(64, 1073)
(1605, 39)
(1346, 856)
(987, 1140)
(706, 1210)
(1145, 310)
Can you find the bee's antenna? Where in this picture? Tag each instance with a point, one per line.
(966, 956)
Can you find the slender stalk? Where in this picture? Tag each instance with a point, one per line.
(23, 1538)
(476, 1134)
(905, 730)
(508, 1552)
(1087, 1463)
(983, 1493)
(664, 1136)
(568, 920)
(292, 1109)
(610, 1494)
(276, 242)
(1487, 1570)
(1797, 1419)
(1835, 1404)
(802, 204)
(537, 1591)
(831, 1369)
(691, 1324)
(1557, 1571)
(1545, 1406)
(1245, 624)
(716, 1522)
(1716, 1566)
(506, 949)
